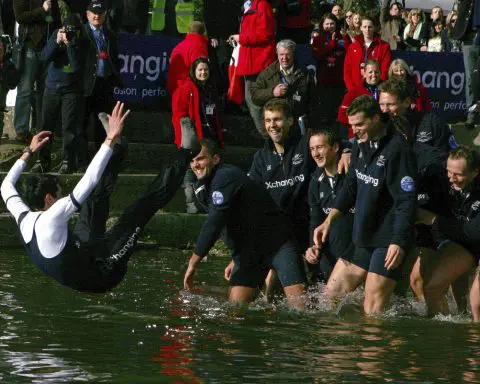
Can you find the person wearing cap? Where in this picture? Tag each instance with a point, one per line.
(102, 72)
(64, 55)
(36, 20)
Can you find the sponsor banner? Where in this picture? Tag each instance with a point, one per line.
(442, 74)
(144, 67)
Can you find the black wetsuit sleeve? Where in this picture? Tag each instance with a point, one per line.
(210, 231)
(255, 172)
(348, 193)
(462, 231)
(317, 215)
(401, 180)
(441, 132)
(222, 192)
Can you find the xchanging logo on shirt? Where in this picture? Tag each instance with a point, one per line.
(285, 183)
(367, 179)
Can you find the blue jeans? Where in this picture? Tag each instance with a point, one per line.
(29, 92)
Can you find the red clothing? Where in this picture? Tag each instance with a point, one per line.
(182, 57)
(186, 103)
(330, 57)
(257, 39)
(421, 102)
(379, 50)
(347, 100)
(301, 20)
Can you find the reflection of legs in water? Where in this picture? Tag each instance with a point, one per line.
(121, 239)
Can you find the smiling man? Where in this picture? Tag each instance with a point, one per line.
(461, 225)
(381, 185)
(257, 230)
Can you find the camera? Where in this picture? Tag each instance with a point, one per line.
(72, 32)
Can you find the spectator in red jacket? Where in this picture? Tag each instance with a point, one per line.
(418, 94)
(294, 20)
(196, 103)
(257, 49)
(366, 46)
(194, 45)
(329, 47)
(369, 86)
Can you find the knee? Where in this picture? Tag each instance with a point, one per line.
(416, 283)
(434, 288)
(374, 302)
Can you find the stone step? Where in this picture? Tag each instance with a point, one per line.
(165, 229)
(141, 157)
(128, 188)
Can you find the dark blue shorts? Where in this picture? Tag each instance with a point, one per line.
(373, 260)
(251, 270)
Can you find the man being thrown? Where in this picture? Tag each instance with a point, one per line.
(381, 185)
(87, 258)
(257, 229)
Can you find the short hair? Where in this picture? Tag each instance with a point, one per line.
(367, 17)
(395, 87)
(35, 188)
(211, 146)
(399, 63)
(196, 27)
(365, 104)
(280, 105)
(286, 44)
(471, 157)
(327, 15)
(329, 133)
(372, 62)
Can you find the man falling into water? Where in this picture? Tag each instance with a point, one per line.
(87, 258)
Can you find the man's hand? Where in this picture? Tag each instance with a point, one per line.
(39, 140)
(190, 272)
(320, 233)
(47, 5)
(214, 43)
(228, 270)
(312, 255)
(115, 123)
(280, 90)
(344, 162)
(60, 36)
(425, 217)
(394, 256)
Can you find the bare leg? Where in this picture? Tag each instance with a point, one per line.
(345, 278)
(454, 261)
(475, 298)
(241, 294)
(460, 291)
(378, 290)
(295, 295)
(422, 270)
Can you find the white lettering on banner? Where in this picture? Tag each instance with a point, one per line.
(137, 64)
(284, 183)
(433, 79)
(367, 179)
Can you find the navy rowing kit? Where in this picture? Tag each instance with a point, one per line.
(258, 231)
(462, 224)
(381, 185)
(322, 192)
(87, 258)
(286, 176)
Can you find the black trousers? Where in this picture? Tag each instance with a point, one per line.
(111, 250)
(101, 100)
(69, 106)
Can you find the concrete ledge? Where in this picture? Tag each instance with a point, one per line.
(165, 229)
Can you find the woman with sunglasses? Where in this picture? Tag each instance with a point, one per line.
(415, 34)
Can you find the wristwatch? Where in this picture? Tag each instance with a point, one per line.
(28, 150)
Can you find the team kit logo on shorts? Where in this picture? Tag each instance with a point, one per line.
(217, 198)
(407, 184)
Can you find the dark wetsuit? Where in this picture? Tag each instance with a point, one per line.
(381, 185)
(87, 258)
(257, 230)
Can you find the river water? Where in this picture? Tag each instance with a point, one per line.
(150, 331)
